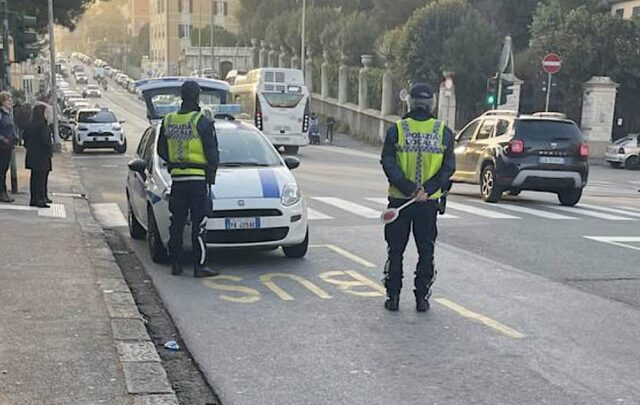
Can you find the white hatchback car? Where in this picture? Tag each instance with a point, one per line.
(98, 128)
(624, 152)
(256, 200)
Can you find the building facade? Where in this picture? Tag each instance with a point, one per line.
(171, 24)
(625, 8)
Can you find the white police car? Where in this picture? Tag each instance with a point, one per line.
(98, 128)
(256, 200)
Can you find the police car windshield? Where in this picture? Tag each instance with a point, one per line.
(96, 117)
(169, 100)
(240, 147)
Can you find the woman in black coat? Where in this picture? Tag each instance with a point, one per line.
(37, 140)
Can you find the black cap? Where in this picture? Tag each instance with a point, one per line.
(421, 90)
(190, 90)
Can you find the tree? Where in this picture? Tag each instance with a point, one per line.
(450, 35)
(140, 46)
(221, 37)
(352, 35)
(394, 13)
(65, 13)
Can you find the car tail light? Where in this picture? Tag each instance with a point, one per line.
(516, 146)
(305, 124)
(258, 120)
(584, 150)
(621, 151)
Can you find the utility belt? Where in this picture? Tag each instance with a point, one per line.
(210, 171)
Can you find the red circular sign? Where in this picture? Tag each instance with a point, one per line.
(551, 63)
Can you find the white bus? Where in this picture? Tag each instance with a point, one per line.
(276, 101)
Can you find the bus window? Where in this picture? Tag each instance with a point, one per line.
(282, 100)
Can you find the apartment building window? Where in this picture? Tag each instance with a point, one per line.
(636, 12)
(191, 6)
(620, 12)
(184, 31)
(221, 8)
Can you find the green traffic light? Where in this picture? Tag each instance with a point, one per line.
(491, 99)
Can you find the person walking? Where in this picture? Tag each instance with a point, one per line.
(39, 147)
(330, 124)
(418, 160)
(7, 142)
(188, 143)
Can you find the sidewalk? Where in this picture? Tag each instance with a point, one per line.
(71, 332)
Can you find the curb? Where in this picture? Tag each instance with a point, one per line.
(145, 377)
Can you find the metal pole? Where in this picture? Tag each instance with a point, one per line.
(302, 50)
(54, 86)
(213, 60)
(546, 108)
(499, 95)
(199, 38)
(6, 84)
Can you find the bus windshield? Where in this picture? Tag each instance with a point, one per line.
(282, 100)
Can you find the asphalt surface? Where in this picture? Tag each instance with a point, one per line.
(533, 304)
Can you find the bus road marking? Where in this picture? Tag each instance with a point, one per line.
(483, 319)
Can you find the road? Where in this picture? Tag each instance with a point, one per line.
(534, 303)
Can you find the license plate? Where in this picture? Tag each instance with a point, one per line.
(282, 139)
(552, 160)
(242, 223)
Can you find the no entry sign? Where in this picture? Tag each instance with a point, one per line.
(552, 63)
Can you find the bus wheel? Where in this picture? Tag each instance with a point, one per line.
(291, 150)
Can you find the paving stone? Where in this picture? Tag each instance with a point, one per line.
(113, 284)
(118, 298)
(160, 399)
(123, 311)
(129, 329)
(146, 378)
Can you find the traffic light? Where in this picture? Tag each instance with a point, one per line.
(507, 89)
(492, 92)
(24, 38)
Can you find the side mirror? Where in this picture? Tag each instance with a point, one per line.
(137, 165)
(292, 162)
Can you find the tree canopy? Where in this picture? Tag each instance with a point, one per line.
(65, 12)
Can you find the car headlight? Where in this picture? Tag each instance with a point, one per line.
(290, 195)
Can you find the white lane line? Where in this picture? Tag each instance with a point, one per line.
(478, 211)
(348, 206)
(314, 215)
(17, 207)
(612, 210)
(620, 241)
(622, 207)
(589, 213)
(54, 211)
(109, 215)
(531, 211)
(385, 202)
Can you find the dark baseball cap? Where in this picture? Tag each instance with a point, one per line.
(190, 90)
(421, 90)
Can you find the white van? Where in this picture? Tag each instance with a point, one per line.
(276, 101)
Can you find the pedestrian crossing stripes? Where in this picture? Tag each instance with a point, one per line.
(109, 215)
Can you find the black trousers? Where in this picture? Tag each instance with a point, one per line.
(38, 186)
(421, 219)
(189, 198)
(5, 162)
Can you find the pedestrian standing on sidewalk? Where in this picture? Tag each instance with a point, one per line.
(330, 123)
(418, 160)
(38, 160)
(7, 142)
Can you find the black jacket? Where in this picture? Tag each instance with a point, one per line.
(392, 170)
(7, 130)
(37, 140)
(207, 132)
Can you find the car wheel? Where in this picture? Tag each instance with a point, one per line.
(291, 150)
(615, 165)
(121, 148)
(488, 188)
(570, 197)
(631, 163)
(135, 229)
(156, 249)
(77, 148)
(297, 251)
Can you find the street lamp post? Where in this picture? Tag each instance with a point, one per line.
(199, 39)
(302, 50)
(54, 89)
(213, 61)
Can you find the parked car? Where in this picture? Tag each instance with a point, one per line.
(624, 152)
(504, 151)
(98, 128)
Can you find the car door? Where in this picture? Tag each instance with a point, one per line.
(477, 146)
(137, 183)
(463, 139)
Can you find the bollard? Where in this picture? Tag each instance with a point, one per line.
(14, 173)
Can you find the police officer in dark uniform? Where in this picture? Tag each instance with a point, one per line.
(418, 160)
(188, 143)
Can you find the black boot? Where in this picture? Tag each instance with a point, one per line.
(422, 301)
(204, 271)
(393, 302)
(4, 197)
(176, 268)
